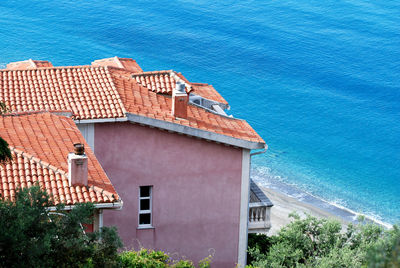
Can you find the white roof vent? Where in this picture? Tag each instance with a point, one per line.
(180, 87)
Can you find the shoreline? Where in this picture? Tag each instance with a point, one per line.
(284, 204)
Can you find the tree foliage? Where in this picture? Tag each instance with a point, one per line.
(32, 236)
(5, 153)
(145, 258)
(312, 242)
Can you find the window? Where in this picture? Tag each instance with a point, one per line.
(145, 219)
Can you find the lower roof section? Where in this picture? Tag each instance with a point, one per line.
(40, 144)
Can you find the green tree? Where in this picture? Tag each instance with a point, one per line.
(32, 236)
(386, 251)
(312, 242)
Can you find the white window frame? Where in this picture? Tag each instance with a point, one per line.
(148, 211)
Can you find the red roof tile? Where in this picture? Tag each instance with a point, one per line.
(140, 101)
(208, 91)
(158, 81)
(86, 91)
(124, 63)
(40, 145)
(164, 82)
(109, 92)
(28, 64)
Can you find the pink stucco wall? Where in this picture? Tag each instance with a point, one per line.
(196, 190)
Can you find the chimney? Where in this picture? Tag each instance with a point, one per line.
(179, 101)
(78, 166)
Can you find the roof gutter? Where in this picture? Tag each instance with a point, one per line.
(102, 120)
(173, 127)
(115, 205)
(260, 152)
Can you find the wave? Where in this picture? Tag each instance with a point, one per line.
(265, 177)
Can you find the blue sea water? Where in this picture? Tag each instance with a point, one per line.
(318, 80)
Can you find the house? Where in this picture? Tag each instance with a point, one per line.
(42, 146)
(179, 162)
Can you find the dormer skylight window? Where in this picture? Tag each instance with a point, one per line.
(207, 104)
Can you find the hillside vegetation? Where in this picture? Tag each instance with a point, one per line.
(312, 242)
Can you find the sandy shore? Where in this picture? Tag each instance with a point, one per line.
(284, 205)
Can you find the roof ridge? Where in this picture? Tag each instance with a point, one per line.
(42, 163)
(32, 63)
(57, 112)
(114, 88)
(200, 84)
(176, 76)
(173, 74)
(114, 67)
(54, 67)
(152, 72)
(119, 63)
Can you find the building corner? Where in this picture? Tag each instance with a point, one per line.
(244, 208)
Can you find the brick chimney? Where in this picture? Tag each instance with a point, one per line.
(78, 166)
(179, 101)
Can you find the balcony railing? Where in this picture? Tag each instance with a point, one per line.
(259, 217)
(259, 210)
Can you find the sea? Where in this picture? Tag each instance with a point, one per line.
(318, 80)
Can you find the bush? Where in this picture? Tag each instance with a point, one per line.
(156, 259)
(313, 242)
(386, 251)
(32, 236)
(144, 258)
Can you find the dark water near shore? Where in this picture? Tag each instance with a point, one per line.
(318, 80)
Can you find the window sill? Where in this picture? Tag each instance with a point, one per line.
(145, 227)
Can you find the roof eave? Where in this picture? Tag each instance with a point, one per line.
(114, 205)
(207, 135)
(100, 120)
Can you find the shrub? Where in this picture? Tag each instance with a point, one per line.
(313, 242)
(144, 258)
(31, 236)
(157, 259)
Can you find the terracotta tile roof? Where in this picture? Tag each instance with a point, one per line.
(140, 101)
(208, 91)
(164, 82)
(110, 92)
(159, 81)
(124, 63)
(40, 145)
(28, 64)
(86, 91)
